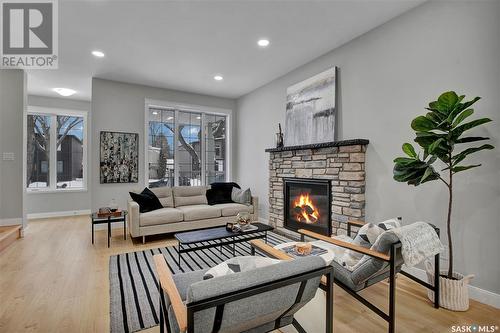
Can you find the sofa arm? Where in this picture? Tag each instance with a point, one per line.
(255, 204)
(133, 218)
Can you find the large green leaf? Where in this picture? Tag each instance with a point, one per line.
(447, 101)
(471, 139)
(423, 124)
(409, 150)
(435, 145)
(462, 155)
(462, 116)
(465, 167)
(457, 131)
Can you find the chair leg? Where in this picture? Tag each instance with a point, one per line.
(329, 302)
(392, 291)
(436, 281)
(298, 327)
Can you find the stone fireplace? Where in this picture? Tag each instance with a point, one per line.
(337, 167)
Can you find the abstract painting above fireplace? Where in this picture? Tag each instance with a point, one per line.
(307, 205)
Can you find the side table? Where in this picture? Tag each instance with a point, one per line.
(108, 220)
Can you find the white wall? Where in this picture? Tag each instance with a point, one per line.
(119, 106)
(12, 108)
(387, 77)
(41, 203)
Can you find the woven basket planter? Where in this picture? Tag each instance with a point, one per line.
(453, 294)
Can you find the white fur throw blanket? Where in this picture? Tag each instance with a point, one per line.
(419, 241)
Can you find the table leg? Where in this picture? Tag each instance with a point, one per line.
(109, 229)
(125, 227)
(92, 231)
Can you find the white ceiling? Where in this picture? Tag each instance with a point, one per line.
(182, 45)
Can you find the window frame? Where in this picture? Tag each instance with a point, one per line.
(53, 113)
(200, 109)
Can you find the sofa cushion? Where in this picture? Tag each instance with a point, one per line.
(199, 212)
(165, 196)
(232, 209)
(147, 200)
(190, 195)
(161, 216)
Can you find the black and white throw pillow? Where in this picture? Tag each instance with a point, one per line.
(366, 236)
(238, 264)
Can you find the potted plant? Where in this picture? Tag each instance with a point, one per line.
(440, 133)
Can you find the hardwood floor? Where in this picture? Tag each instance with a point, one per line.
(55, 280)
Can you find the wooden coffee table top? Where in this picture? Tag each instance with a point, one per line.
(216, 233)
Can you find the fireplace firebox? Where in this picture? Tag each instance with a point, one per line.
(307, 205)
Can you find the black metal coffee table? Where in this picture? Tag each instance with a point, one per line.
(217, 236)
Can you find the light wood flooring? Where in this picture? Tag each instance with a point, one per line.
(55, 280)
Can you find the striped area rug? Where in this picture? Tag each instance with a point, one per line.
(134, 287)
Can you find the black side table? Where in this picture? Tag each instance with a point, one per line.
(110, 219)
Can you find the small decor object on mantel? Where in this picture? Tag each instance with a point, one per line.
(279, 137)
(119, 157)
(311, 110)
(439, 132)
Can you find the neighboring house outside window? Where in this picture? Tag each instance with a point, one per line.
(185, 146)
(56, 150)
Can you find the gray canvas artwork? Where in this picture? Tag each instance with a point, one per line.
(119, 157)
(311, 111)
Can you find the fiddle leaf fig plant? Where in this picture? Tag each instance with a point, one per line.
(440, 133)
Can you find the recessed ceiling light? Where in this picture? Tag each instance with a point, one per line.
(198, 117)
(98, 54)
(64, 91)
(155, 112)
(218, 78)
(263, 42)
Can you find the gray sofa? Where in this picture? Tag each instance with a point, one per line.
(184, 208)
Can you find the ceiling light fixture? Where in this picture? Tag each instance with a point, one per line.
(263, 42)
(155, 112)
(98, 54)
(218, 78)
(170, 118)
(64, 91)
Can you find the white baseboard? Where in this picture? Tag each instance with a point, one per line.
(12, 221)
(475, 293)
(58, 214)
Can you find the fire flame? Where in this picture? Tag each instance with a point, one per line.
(305, 211)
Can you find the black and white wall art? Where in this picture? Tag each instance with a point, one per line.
(311, 110)
(119, 157)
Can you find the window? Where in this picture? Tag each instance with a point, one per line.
(215, 151)
(56, 150)
(185, 146)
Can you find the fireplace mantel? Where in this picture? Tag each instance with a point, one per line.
(350, 142)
